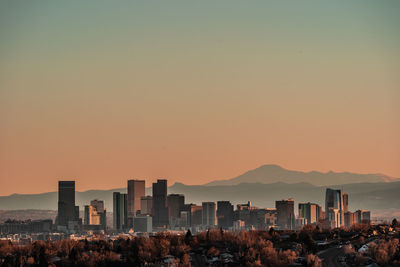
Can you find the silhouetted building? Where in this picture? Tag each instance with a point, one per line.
(345, 203)
(333, 218)
(120, 211)
(224, 214)
(245, 212)
(310, 212)
(194, 215)
(320, 213)
(146, 204)
(176, 203)
(160, 207)
(209, 214)
(334, 207)
(184, 219)
(68, 213)
(142, 224)
(263, 218)
(136, 190)
(363, 216)
(285, 214)
(95, 215)
(27, 227)
(349, 219)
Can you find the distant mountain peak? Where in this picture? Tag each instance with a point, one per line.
(272, 173)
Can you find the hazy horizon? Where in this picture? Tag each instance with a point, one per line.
(195, 92)
(150, 180)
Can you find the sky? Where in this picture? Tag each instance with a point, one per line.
(192, 91)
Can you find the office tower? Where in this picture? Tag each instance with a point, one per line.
(261, 219)
(184, 220)
(225, 214)
(146, 205)
(334, 200)
(345, 202)
(176, 203)
(285, 213)
(270, 218)
(310, 212)
(349, 219)
(95, 214)
(195, 214)
(320, 213)
(246, 213)
(333, 217)
(120, 211)
(209, 218)
(363, 216)
(136, 190)
(142, 224)
(68, 213)
(160, 208)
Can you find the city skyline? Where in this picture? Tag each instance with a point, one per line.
(172, 212)
(195, 92)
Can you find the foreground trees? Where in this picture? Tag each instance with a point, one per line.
(251, 248)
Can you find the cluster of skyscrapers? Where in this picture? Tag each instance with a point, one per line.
(134, 210)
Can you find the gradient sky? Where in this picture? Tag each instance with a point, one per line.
(193, 91)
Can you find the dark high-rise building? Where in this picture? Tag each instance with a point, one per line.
(160, 207)
(136, 190)
(285, 213)
(349, 219)
(345, 202)
(363, 216)
(146, 205)
(67, 211)
(334, 207)
(176, 204)
(120, 211)
(194, 214)
(209, 214)
(225, 214)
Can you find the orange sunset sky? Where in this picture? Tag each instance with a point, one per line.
(194, 92)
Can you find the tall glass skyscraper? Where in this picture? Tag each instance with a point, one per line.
(334, 207)
(67, 211)
(120, 211)
(160, 207)
(136, 190)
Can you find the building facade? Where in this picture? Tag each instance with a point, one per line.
(285, 214)
(334, 203)
(95, 215)
(310, 212)
(120, 211)
(136, 190)
(209, 214)
(68, 213)
(160, 204)
(146, 205)
(176, 204)
(224, 214)
(143, 224)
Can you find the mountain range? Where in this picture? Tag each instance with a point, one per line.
(262, 186)
(271, 173)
